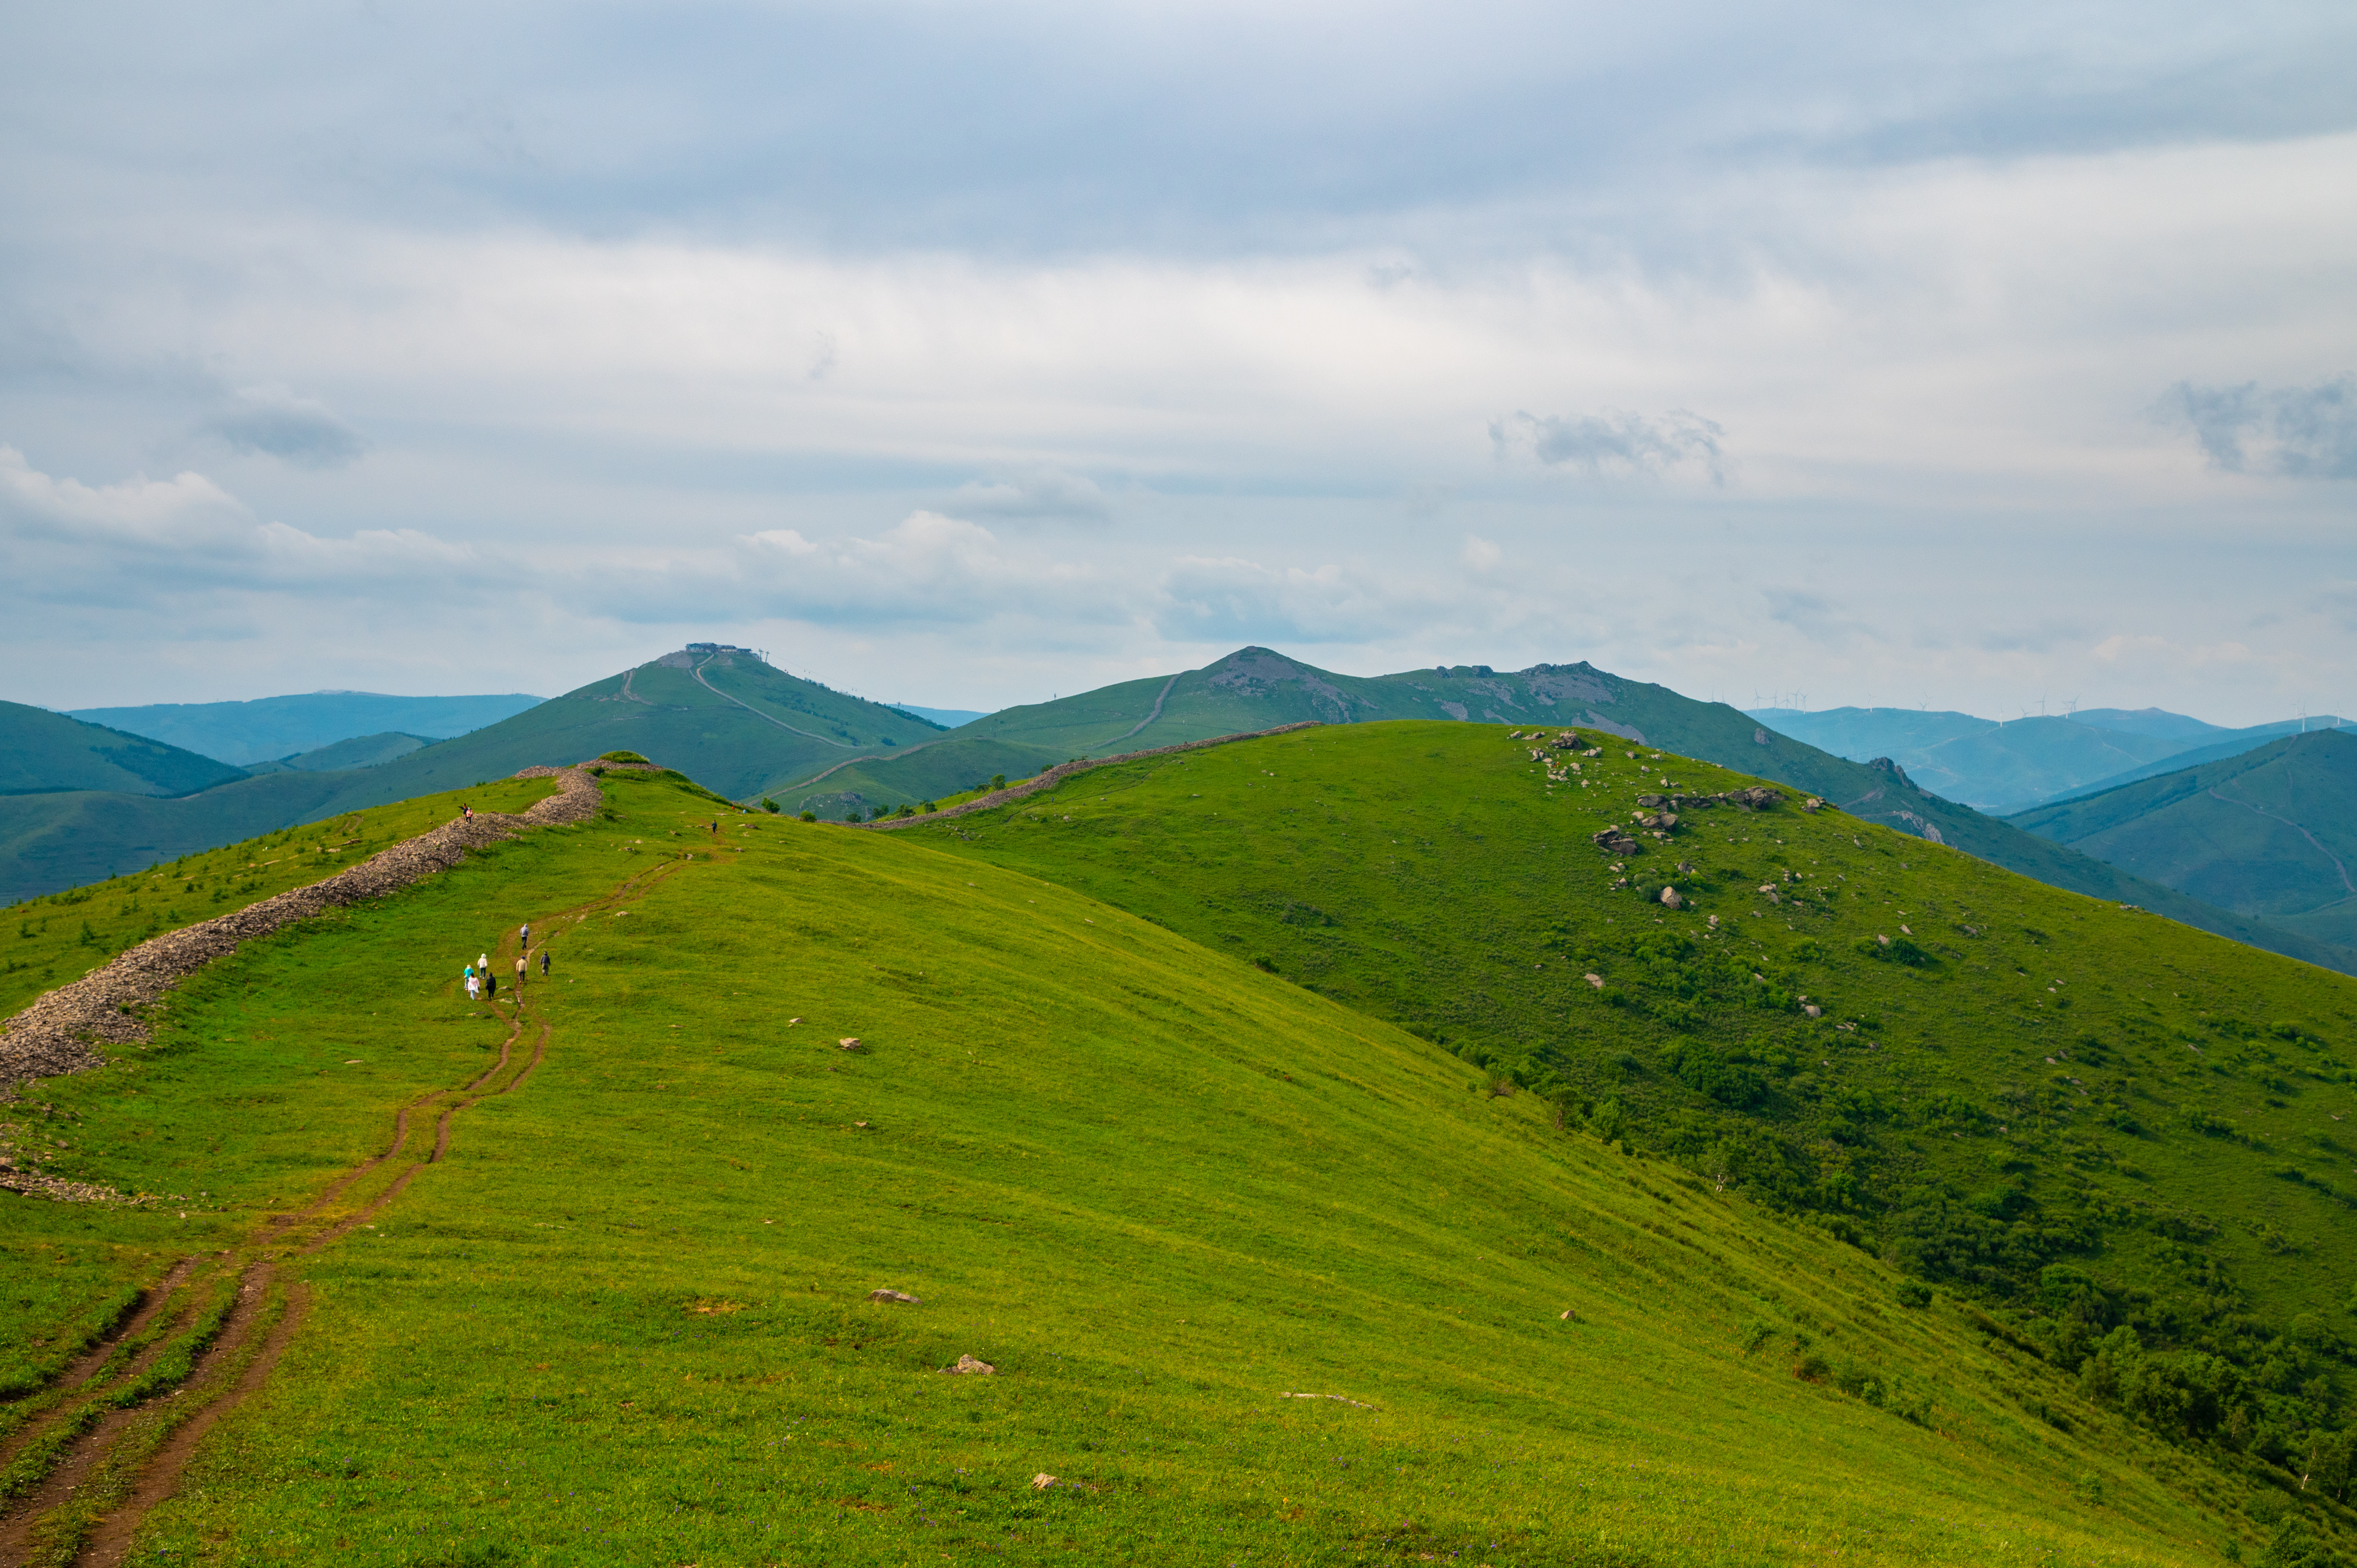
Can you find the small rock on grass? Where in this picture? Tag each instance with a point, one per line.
(849, 1042)
(967, 1364)
(893, 1296)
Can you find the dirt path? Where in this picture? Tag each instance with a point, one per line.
(1154, 714)
(110, 1543)
(232, 1370)
(698, 674)
(2295, 827)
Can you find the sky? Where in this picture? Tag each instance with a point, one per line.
(1991, 357)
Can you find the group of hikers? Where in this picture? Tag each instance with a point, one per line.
(483, 985)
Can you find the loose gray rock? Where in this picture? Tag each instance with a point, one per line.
(968, 1365)
(894, 1297)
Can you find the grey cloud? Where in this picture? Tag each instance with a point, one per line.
(273, 421)
(1616, 443)
(2302, 433)
(1038, 493)
(1812, 614)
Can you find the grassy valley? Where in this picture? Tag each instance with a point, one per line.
(1256, 1276)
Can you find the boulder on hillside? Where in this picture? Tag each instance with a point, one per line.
(968, 1365)
(1670, 899)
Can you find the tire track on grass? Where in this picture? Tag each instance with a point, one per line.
(61, 1529)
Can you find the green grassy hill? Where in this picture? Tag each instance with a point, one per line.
(42, 752)
(1255, 689)
(1262, 1278)
(2240, 742)
(732, 721)
(48, 941)
(271, 728)
(933, 771)
(359, 751)
(2087, 1115)
(2271, 833)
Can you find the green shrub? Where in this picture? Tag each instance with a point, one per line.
(809, 816)
(998, 780)
(1914, 1292)
(1812, 1368)
(767, 804)
(620, 757)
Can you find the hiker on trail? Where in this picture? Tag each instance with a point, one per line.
(470, 813)
(524, 935)
(490, 986)
(484, 963)
(472, 994)
(544, 964)
(519, 974)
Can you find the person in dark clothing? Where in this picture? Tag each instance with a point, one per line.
(490, 986)
(544, 964)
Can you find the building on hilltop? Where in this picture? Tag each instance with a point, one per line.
(720, 648)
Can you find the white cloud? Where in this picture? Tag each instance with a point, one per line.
(1479, 554)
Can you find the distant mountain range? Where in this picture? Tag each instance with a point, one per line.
(2002, 768)
(269, 728)
(46, 753)
(2270, 834)
(753, 732)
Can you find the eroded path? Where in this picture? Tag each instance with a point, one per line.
(112, 1437)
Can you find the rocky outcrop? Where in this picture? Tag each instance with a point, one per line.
(61, 1032)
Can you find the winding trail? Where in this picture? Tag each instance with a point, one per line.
(698, 674)
(1152, 715)
(2302, 832)
(104, 1468)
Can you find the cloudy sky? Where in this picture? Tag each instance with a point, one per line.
(1976, 355)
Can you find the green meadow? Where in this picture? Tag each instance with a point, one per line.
(48, 940)
(1265, 1276)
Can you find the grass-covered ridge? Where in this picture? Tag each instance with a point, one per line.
(2093, 1117)
(45, 941)
(1166, 1195)
(2270, 833)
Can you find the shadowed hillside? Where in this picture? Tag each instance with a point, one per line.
(2271, 833)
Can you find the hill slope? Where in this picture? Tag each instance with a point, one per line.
(1254, 1277)
(2003, 766)
(2270, 833)
(1984, 764)
(2095, 1116)
(271, 728)
(732, 720)
(41, 751)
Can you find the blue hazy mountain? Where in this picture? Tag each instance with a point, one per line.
(270, 728)
(2009, 765)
